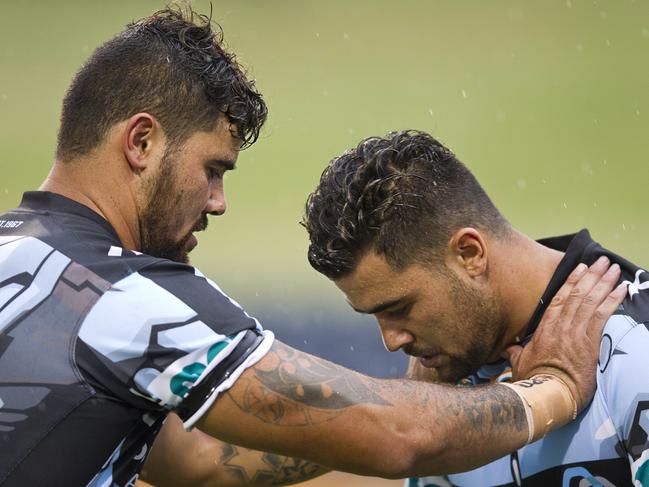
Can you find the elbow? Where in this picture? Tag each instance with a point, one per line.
(409, 452)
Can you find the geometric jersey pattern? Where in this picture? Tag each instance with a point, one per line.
(99, 343)
(607, 445)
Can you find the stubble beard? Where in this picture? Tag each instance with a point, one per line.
(160, 218)
(479, 331)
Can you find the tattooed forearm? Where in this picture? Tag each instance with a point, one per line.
(316, 382)
(318, 390)
(252, 467)
(490, 406)
(296, 389)
(506, 408)
(348, 420)
(499, 405)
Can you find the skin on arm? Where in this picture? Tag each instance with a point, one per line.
(295, 404)
(180, 458)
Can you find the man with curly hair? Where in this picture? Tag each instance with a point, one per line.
(105, 329)
(408, 234)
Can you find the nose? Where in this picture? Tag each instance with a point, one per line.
(216, 204)
(395, 338)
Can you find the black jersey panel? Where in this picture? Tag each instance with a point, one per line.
(102, 421)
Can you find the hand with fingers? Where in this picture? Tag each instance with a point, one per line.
(561, 358)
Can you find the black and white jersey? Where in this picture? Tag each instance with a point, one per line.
(608, 444)
(99, 343)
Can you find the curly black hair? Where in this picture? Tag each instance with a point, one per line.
(401, 196)
(172, 65)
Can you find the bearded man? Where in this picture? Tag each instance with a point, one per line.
(405, 230)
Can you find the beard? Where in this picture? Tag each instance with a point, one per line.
(477, 324)
(161, 217)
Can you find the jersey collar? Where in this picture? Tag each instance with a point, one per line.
(48, 202)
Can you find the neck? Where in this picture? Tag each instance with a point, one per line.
(524, 269)
(105, 195)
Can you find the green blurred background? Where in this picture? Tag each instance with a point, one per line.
(547, 102)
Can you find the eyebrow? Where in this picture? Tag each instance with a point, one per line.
(378, 308)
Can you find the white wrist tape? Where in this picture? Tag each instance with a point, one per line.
(548, 404)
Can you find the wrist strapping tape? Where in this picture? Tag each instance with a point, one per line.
(548, 404)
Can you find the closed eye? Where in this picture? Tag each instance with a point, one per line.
(216, 168)
(213, 173)
(395, 313)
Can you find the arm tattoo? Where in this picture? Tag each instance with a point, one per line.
(318, 389)
(253, 467)
(505, 407)
(296, 389)
(495, 406)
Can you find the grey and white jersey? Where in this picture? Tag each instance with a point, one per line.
(99, 343)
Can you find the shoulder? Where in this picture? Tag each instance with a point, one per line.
(621, 330)
(161, 294)
(623, 369)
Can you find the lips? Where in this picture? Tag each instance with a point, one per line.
(200, 225)
(430, 361)
(190, 240)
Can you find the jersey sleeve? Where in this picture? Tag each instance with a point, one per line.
(167, 338)
(623, 381)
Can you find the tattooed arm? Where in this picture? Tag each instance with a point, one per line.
(296, 404)
(180, 458)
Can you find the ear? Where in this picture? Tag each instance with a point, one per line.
(468, 251)
(141, 137)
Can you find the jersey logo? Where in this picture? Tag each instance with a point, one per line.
(636, 286)
(581, 473)
(142, 454)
